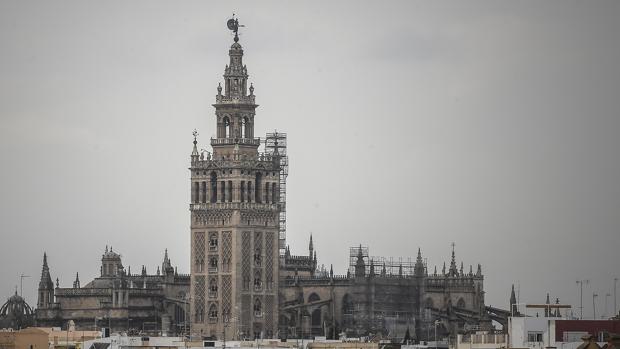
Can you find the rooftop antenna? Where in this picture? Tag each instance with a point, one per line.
(233, 24)
(21, 283)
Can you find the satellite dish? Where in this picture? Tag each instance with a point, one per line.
(231, 24)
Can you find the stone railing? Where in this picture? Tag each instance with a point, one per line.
(233, 141)
(223, 99)
(233, 206)
(83, 292)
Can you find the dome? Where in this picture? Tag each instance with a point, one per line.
(16, 305)
(16, 313)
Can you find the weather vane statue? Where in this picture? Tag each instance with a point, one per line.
(233, 24)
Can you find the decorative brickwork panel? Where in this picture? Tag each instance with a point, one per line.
(258, 281)
(226, 251)
(269, 240)
(269, 316)
(246, 313)
(199, 252)
(246, 259)
(226, 297)
(199, 298)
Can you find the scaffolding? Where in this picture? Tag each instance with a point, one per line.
(393, 266)
(275, 145)
(353, 253)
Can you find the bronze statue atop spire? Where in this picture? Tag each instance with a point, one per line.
(233, 24)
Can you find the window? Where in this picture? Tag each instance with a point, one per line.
(534, 336)
(213, 187)
(213, 288)
(257, 193)
(258, 309)
(213, 242)
(257, 257)
(223, 187)
(258, 282)
(213, 264)
(213, 312)
(226, 122)
(242, 191)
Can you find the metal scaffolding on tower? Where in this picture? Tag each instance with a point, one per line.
(275, 145)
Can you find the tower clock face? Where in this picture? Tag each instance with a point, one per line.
(231, 24)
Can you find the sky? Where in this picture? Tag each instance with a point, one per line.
(492, 125)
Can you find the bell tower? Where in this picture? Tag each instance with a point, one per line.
(234, 213)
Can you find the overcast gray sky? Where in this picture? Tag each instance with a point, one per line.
(493, 124)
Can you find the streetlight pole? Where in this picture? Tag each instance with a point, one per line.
(436, 324)
(594, 295)
(580, 282)
(615, 309)
(607, 295)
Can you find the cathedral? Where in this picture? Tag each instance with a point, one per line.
(117, 299)
(244, 283)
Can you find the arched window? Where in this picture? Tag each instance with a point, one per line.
(313, 298)
(258, 308)
(257, 257)
(244, 129)
(230, 191)
(213, 263)
(226, 122)
(213, 187)
(242, 191)
(258, 280)
(267, 192)
(212, 312)
(213, 288)
(203, 192)
(347, 305)
(249, 191)
(223, 191)
(429, 303)
(460, 303)
(257, 192)
(274, 194)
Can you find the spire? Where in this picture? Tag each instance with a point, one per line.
(418, 268)
(46, 280)
(360, 265)
(547, 313)
(479, 271)
(513, 301)
(76, 283)
(331, 271)
(443, 271)
(195, 154)
(453, 271)
(311, 245)
(372, 268)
